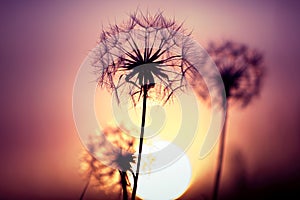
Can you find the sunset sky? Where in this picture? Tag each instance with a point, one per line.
(43, 43)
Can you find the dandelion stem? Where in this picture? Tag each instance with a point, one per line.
(145, 90)
(220, 159)
(124, 184)
(86, 186)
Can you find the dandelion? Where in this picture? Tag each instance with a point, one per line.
(147, 56)
(242, 71)
(113, 176)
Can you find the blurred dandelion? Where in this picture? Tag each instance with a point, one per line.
(242, 70)
(111, 177)
(147, 56)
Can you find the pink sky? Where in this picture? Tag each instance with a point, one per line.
(44, 43)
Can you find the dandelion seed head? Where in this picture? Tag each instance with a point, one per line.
(147, 50)
(241, 68)
(104, 174)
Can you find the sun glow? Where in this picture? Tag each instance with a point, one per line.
(168, 119)
(170, 182)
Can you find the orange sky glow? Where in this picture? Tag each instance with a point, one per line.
(43, 45)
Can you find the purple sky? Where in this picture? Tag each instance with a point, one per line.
(43, 43)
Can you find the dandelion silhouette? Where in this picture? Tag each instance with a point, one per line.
(145, 51)
(242, 71)
(148, 55)
(113, 176)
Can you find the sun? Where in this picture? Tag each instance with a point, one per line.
(167, 183)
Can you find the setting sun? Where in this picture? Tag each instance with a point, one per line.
(169, 182)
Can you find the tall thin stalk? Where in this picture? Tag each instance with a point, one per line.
(163, 59)
(124, 184)
(145, 91)
(242, 70)
(220, 159)
(86, 186)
